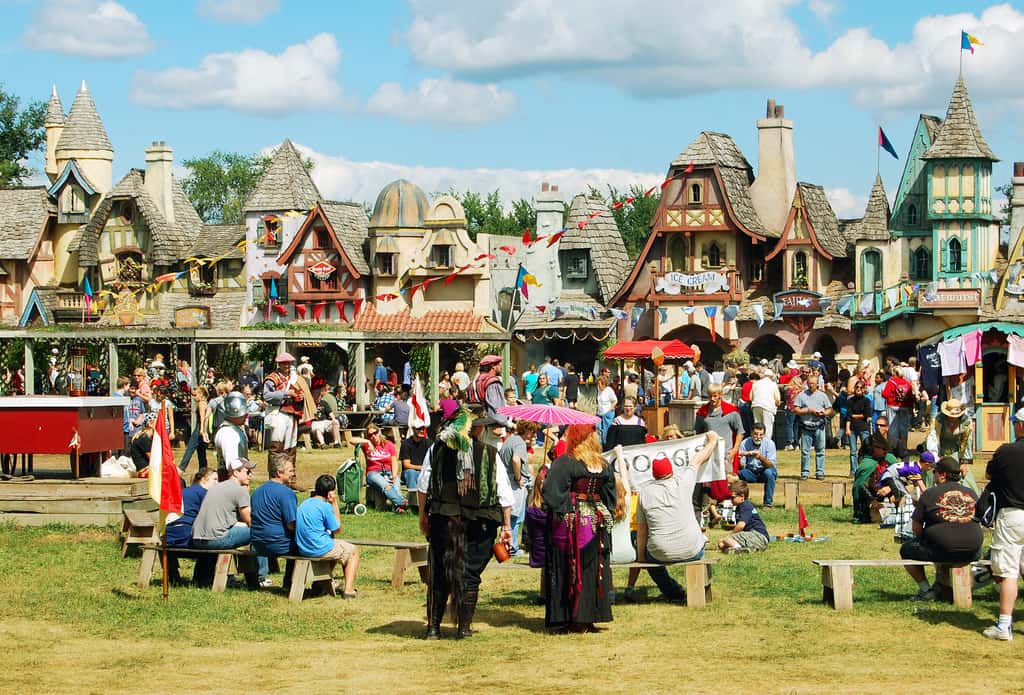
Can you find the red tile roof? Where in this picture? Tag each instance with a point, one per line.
(431, 322)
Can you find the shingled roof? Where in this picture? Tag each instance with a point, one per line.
(217, 239)
(874, 226)
(932, 124)
(350, 224)
(83, 129)
(171, 242)
(959, 135)
(602, 237)
(823, 219)
(285, 185)
(23, 216)
(54, 110)
(710, 148)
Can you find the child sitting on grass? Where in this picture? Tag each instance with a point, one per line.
(749, 535)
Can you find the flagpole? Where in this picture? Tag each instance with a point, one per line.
(961, 74)
(878, 152)
(163, 514)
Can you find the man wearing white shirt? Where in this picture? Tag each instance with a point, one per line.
(764, 401)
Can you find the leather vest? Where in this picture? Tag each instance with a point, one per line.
(443, 495)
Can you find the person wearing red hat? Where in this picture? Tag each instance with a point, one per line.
(284, 407)
(667, 528)
(486, 389)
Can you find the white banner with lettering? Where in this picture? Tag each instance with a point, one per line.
(638, 459)
(672, 283)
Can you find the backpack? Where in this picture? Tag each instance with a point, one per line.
(986, 508)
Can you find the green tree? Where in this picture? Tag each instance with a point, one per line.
(487, 214)
(633, 218)
(219, 183)
(21, 134)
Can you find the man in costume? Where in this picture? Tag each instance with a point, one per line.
(487, 388)
(464, 495)
(283, 394)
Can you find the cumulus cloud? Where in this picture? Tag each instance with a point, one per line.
(443, 102)
(822, 9)
(845, 203)
(87, 28)
(688, 46)
(238, 11)
(300, 78)
(339, 178)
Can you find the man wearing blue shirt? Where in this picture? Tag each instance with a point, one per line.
(316, 522)
(273, 508)
(758, 462)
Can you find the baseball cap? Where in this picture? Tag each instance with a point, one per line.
(816, 355)
(661, 468)
(240, 463)
(1019, 416)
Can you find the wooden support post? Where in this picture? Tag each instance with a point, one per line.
(418, 557)
(223, 569)
(362, 397)
(842, 586)
(149, 558)
(435, 373)
(299, 575)
(696, 579)
(402, 560)
(792, 494)
(30, 368)
(963, 585)
(113, 367)
(838, 495)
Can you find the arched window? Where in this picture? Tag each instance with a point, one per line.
(912, 214)
(799, 277)
(921, 264)
(696, 194)
(678, 255)
(714, 256)
(270, 234)
(871, 270)
(954, 256)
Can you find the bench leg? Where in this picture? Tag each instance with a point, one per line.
(840, 580)
(838, 495)
(963, 584)
(792, 494)
(220, 574)
(323, 572)
(298, 586)
(418, 557)
(149, 558)
(402, 560)
(696, 580)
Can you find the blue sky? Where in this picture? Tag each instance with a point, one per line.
(505, 95)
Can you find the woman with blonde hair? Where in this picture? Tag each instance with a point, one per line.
(579, 495)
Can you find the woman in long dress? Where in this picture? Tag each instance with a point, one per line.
(580, 496)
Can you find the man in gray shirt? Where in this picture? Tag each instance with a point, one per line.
(514, 455)
(224, 518)
(667, 529)
(813, 407)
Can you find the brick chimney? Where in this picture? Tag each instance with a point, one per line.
(773, 189)
(159, 158)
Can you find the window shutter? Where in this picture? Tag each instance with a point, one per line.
(945, 257)
(258, 295)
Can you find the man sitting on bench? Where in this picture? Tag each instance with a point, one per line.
(224, 519)
(273, 518)
(667, 529)
(316, 522)
(944, 526)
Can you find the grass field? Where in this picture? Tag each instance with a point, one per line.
(74, 622)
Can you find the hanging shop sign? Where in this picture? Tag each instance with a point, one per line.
(192, 317)
(799, 303)
(710, 281)
(322, 270)
(963, 298)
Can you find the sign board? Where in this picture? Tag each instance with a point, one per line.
(192, 317)
(638, 459)
(964, 298)
(711, 281)
(799, 302)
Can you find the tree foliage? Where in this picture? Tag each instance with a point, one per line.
(487, 214)
(633, 219)
(219, 183)
(21, 134)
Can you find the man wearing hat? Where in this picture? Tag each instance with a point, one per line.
(230, 439)
(878, 456)
(667, 529)
(224, 518)
(944, 527)
(284, 407)
(952, 434)
(487, 389)
(816, 363)
(1005, 472)
(464, 496)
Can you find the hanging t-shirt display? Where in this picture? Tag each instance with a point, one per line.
(931, 367)
(972, 347)
(1015, 350)
(951, 356)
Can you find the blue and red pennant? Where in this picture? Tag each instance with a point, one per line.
(884, 143)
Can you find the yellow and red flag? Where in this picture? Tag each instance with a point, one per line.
(164, 483)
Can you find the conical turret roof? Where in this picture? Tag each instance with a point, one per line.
(285, 185)
(874, 226)
(83, 129)
(54, 110)
(959, 136)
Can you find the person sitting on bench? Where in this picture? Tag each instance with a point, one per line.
(224, 518)
(273, 517)
(944, 526)
(667, 529)
(317, 521)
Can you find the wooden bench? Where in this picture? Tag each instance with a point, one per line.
(698, 578)
(138, 528)
(837, 579)
(407, 554)
(308, 568)
(228, 561)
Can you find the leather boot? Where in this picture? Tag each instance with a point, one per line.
(435, 615)
(466, 611)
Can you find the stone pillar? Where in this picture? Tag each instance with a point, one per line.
(30, 369)
(113, 367)
(435, 373)
(360, 380)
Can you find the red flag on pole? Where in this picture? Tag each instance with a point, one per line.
(164, 483)
(803, 521)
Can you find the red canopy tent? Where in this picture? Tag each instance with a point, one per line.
(632, 349)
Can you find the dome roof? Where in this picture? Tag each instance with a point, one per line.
(400, 204)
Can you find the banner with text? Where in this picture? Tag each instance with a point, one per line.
(673, 283)
(679, 451)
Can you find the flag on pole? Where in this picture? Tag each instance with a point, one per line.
(758, 313)
(884, 143)
(87, 291)
(968, 42)
(802, 521)
(164, 483)
(419, 413)
(711, 312)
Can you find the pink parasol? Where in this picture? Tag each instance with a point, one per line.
(548, 414)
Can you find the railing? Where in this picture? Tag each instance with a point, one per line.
(964, 292)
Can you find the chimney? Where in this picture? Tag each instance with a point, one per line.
(543, 186)
(550, 208)
(1016, 220)
(773, 189)
(159, 158)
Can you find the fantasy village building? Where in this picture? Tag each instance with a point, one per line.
(734, 262)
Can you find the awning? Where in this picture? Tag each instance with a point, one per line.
(957, 331)
(386, 244)
(631, 349)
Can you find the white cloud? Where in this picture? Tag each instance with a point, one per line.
(342, 179)
(689, 46)
(87, 28)
(239, 11)
(845, 203)
(443, 102)
(822, 9)
(300, 78)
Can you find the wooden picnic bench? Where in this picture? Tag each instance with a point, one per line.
(407, 554)
(137, 528)
(229, 561)
(837, 579)
(698, 578)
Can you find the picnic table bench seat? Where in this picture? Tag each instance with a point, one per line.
(837, 578)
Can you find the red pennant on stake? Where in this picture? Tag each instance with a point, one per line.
(650, 190)
(802, 521)
(300, 310)
(541, 308)
(448, 280)
(341, 310)
(510, 250)
(318, 310)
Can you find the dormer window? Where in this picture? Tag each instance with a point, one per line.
(912, 215)
(386, 263)
(441, 255)
(129, 267)
(799, 278)
(576, 265)
(321, 239)
(714, 256)
(72, 199)
(695, 194)
(270, 234)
